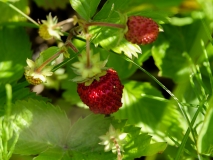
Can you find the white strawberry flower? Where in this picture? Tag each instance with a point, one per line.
(113, 139)
(49, 29)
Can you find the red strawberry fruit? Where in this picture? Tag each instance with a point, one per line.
(141, 30)
(104, 95)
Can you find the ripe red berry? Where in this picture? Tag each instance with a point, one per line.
(141, 30)
(103, 96)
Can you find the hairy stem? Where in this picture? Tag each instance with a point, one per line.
(88, 49)
(62, 23)
(119, 156)
(68, 43)
(49, 60)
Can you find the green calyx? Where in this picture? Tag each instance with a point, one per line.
(88, 73)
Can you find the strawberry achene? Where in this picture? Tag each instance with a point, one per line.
(103, 96)
(141, 30)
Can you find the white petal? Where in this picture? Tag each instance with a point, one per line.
(122, 136)
(30, 63)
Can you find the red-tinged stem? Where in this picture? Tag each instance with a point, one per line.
(105, 24)
(88, 49)
(62, 23)
(69, 44)
(48, 61)
(119, 156)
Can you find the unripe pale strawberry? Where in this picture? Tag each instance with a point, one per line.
(141, 30)
(104, 95)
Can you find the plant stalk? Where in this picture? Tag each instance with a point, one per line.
(22, 13)
(39, 69)
(69, 20)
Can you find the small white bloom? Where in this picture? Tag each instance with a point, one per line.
(112, 138)
(49, 28)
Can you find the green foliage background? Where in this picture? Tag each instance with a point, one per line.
(179, 126)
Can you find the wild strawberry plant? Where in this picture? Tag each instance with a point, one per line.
(111, 105)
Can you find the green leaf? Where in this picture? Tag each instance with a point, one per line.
(51, 153)
(205, 139)
(86, 9)
(113, 39)
(138, 144)
(169, 57)
(70, 94)
(85, 137)
(142, 103)
(45, 126)
(110, 10)
(148, 7)
(169, 53)
(10, 14)
(14, 53)
(124, 68)
(52, 4)
(136, 7)
(46, 54)
(46, 131)
(91, 156)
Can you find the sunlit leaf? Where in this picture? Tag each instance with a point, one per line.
(47, 127)
(46, 131)
(14, 53)
(139, 106)
(12, 15)
(124, 68)
(138, 144)
(86, 9)
(113, 39)
(205, 139)
(170, 47)
(145, 106)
